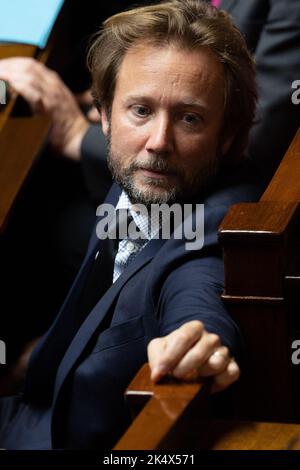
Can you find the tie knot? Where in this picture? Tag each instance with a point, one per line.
(126, 226)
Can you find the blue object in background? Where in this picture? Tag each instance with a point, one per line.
(28, 21)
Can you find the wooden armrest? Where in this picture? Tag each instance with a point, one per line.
(285, 184)
(9, 50)
(262, 234)
(250, 435)
(170, 414)
(174, 416)
(22, 136)
(259, 241)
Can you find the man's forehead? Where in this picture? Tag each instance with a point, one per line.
(152, 57)
(174, 69)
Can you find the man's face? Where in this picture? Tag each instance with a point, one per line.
(166, 117)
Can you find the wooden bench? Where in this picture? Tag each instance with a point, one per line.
(174, 417)
(22, 135)
(262, 279)
(262, 285)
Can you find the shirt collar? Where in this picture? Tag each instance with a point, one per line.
(141, 220)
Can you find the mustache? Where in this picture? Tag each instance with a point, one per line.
(157, 164)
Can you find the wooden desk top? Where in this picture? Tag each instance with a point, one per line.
(172, 416)
(21, 138)
(9, 50)
(246, 435)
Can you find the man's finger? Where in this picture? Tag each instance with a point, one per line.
(165, 353)
(215, 363)
(93, 115)
(197, 355)
(227, 377)
(155, 353)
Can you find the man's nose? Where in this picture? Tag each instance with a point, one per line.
(160, 138)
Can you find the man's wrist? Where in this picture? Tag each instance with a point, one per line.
(72, 148)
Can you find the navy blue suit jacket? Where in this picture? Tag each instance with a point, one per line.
(75, 383)
(76, 380)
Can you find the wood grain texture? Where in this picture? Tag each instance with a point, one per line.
(161, 416)
(247, 435)
(21, 134)
(9, 50)
(262, 266)
(20, 142)
(164, 409)
(285, 184)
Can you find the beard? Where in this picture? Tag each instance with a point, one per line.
(159, 191)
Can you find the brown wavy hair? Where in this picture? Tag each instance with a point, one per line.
(189, 24)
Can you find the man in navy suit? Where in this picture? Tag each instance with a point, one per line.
(272, 32)
(175, 87)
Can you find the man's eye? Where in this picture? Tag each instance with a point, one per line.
(192, 119)
(141, 111)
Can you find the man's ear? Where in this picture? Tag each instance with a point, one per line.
(104, 122)
(227, 143)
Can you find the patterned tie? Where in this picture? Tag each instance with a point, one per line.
(128, 249)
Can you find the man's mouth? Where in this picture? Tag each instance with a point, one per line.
(155, 173)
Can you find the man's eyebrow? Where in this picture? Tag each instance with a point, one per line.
(193, 103)
(139, 99)
(184, 102)
(142, 98)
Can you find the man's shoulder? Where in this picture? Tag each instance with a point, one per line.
(229, 194)
(198, 234)
(239, 184)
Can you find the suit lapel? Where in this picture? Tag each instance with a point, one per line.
(99, 312)
(47, 356)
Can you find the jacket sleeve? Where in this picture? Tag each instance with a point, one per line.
(193, 292)
(94, 163)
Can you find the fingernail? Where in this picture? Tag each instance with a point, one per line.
(159, 370)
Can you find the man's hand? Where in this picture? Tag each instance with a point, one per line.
(190, 351)
(47, 94)
(86, 99)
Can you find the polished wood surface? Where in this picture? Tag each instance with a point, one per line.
(159, 423)
(261, 245)
(20, 142)
(262, 279)
(7, 50)
(21, 138)
(285, 186)
(21, 134)
(260, 234)
(247, 435)
(164, 406)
